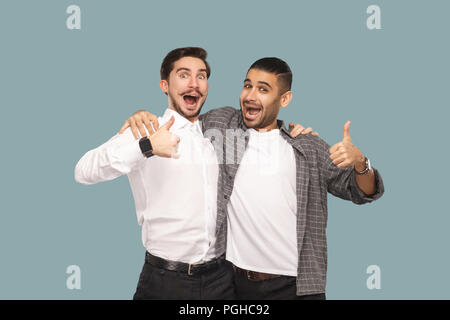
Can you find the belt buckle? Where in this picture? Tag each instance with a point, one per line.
(248, 274)
(193, 264)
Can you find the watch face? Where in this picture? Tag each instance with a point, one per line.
(145, 145)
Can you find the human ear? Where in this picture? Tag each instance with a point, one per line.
(164, 85)
(286, 98)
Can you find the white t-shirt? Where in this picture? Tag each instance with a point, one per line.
(263, 207)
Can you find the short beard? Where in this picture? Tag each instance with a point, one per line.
(178, 109)
(263, 122)
(255, 126)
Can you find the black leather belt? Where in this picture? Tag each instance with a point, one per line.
(190, 269)
(255, 276)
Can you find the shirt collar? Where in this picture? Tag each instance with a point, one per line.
(280, 125)
(284, 133)
(180, 121)
(296, 143)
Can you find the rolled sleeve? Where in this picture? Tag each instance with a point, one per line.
(341, 182)
(358, 196)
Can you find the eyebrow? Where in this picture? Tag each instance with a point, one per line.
(187, 69)
(259, 82)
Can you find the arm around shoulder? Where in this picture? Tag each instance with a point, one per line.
(218, 117)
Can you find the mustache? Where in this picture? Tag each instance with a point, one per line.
(251, 104)
(193, 90)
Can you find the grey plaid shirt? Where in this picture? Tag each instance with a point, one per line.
(316, 175)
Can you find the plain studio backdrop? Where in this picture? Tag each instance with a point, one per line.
(64, 92)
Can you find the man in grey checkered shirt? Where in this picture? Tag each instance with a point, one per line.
(272, 189)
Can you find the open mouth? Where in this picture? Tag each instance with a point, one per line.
(252, 112)
(191, 100)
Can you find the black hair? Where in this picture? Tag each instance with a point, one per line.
(177, 54)
(279, 68)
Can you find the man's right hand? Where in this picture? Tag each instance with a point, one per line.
(138, 121)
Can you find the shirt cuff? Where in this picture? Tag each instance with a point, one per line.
(360, 196)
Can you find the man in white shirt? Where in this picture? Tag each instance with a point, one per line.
(179, 236)
(182, 259)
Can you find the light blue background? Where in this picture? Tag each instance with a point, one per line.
(65, 92)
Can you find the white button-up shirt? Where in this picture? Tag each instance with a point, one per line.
(175, 199)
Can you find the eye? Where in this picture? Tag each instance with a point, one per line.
(184, 75)
(247, 86)
(202, 77)
(262, 89)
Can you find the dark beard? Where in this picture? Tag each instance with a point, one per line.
(180, 112)
(255, 126)
(263, 122)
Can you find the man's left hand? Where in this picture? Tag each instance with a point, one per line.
(345, 154)
(299, 129)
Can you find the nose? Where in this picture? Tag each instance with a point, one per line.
(193, 82)
(251, 95)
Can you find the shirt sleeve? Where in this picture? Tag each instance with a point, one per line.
(119, 155)
(341, 182)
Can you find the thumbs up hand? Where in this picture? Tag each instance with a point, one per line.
(345, 154)
(347, 132)
(164, 143)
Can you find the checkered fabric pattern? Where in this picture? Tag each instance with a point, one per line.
(316, 175)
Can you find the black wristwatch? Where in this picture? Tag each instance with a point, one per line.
(146, 147)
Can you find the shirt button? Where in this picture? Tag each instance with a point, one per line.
(230, 177)
(225, 196)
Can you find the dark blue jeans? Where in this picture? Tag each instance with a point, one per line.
(156, 283)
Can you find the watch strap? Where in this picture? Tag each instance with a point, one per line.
(146, 147)
(367, 169)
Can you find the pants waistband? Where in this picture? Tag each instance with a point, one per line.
(182, 267)
(253, 275)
